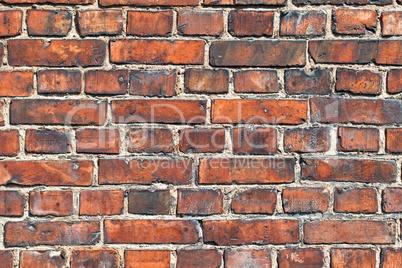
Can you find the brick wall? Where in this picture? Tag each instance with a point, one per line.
(200, 133)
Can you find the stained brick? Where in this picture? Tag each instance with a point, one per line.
(49, 22)
(303, 23)
(251, 23)
(256, 81)
(149, 23)
(305, 200)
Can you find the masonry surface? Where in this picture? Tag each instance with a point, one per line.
(200, 133)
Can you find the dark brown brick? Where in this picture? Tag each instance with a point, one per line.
(101, 202)
(358, 81)
(303, 23)
(202, 140)
(54, 203)
(153, 82)
(256, 81)
(355, 200)
(354, 21)
(12, 204)
(49, 22)
(206, 80)
(317, 81)
(150, 140)
(258, 140)
(102, 82)
(352, 139)
(199, 258)
(305, 200)
(301, 257)
(251, 23)
(59, 81)
(307, 140)
(255, 201)
(149, 23)
(47, 141)
(199, 201)
(107, 258)
(195, 22)
(352, 257)
(150, 202)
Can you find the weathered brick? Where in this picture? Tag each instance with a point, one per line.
(10, 22)
(307, 140)
(255, 201)
(42, 258)
(147, 258)
(389, 52)
(100, 22)
(199, 201)
(199, 258)
(16, 84)
(57, 52)
(150, 140)
(354, 21)
(391, 258)
(256, 81)
(261, 111)
(301, 257)
(392, 200)
(258, 140)
(352, 139)
(47, 141)
(153, 82)
(149, 23)
(7, 258)
(151, 231)
(2, 122)
(246, 2)
(251, 232)
(353, 170)
(246, 170)
(305, 200)
(157, 51)
(202, 140)
(150, 202)
(101, 202)
(106, 82)
(352, 232)
(9, 142)
(21, 234)
(394, 81)
(355, 200)
(206, 80)
(251, 23)
(49, 22)
(391, 23)
(56, 2)
(46, 172)
(394, 140)
(358, 81)
(303, 23)
(317, 81)
(240, 258)
(54, 203)
(194, 22)
(359, 111)
(352, 257)
(342, 2)
(159, 111)
(1, 53)
(258, 53)
(148, 3)
(119, 171)
(12, 204)
(95, 258)
(59, 81)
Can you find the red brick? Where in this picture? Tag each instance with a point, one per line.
(341, 2)
(251, 23)
(255, 201)
(358, 81)
(359, 111)
(54, 203)
(101, 202)
(42, 258)
(202, 140)
(246, 2)
(352, 257)
(261, 111)
(153, 82)
(16, 84)
(21, 234)
(58, 112)
(354, 21)
(150, 140)
(49, 22)
(194, 22)
(72, 173)
(66, 53)
(157, 51)
(149, 23)
(106, 82)
(251, 232)
(317, 81)
(199, 258)
(307, 140)
(100, 22)
(2, 113)
(394, 81)
(151, 231)
(47, 141)
(391, 23)
(12, 204)
(148, 3)
(258, 53)
(389, 52)
(159, 111)
(348, 170)
(206, 80)
(59, 81)
(391, 258)
(303, 23)
(392, 200)
(301, 257)
(351, 232)
(199, 201)
(7, 258)
(147, 258)
(118, 171)
(256, 81)
(246, 170)
(394, 140)
(355, 200)
(305, 200)
(56, 2)
(94, 258)
(9, 142)
(10, 22)
(240, 258)
(352, 139)
(258, 140)
(1, 53)
(151, 202)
